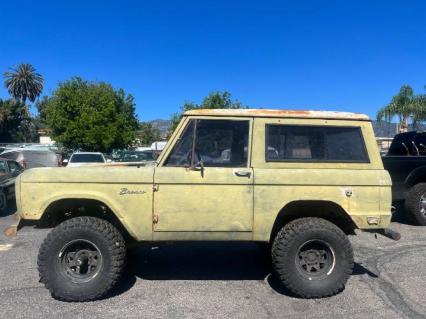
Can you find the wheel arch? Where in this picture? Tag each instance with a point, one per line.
(61, 209)
(418, 175)
(325, 209)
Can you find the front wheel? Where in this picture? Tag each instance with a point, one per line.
(312, 257)
(82, 259)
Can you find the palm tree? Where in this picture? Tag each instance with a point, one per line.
(23, 82)
(405, 105)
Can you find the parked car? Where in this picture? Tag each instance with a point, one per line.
(9, 170)
(300, 181)
(85, 158)
(32, 158)
(406, 163)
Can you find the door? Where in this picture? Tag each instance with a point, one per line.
(205, 183)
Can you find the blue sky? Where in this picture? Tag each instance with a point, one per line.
(333, 55)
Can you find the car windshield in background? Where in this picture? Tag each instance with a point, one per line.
(87, 158)
(136, 156)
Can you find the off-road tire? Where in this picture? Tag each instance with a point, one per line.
(412, 204)
(107, 239)
(4, 203)
(285, 251)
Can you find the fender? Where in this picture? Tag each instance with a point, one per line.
(414, 175)
(98, 198)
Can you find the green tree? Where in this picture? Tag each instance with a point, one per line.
(147, 133)
(16, 124)
(41, 105)
(215, 100)
(23, 82)
(406, 106)
(91, 116)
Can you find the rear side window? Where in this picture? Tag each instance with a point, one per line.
(315, 144)
(87, 158)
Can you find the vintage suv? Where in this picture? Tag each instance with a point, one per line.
(299, 180)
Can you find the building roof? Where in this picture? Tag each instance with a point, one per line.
(280, 113)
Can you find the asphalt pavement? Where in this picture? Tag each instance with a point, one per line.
(223, 280)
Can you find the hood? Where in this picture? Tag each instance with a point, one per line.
(106, 173)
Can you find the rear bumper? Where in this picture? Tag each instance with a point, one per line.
(386, 232)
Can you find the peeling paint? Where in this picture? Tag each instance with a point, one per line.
(279, 113)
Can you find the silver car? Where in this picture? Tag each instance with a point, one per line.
(32, 158)
(8, 172)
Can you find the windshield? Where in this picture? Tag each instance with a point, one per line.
(87, 158)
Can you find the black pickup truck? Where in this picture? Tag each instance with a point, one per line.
(406, 163)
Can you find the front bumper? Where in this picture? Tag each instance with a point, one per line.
(12, 230)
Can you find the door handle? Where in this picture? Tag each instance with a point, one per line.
(242, 173)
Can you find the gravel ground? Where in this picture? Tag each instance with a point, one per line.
(223, 280)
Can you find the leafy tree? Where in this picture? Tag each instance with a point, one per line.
(16, 124)
(147, 133)
(215, 100)
(405, 105)
(41, 105)
(91, 116)
(23, 82)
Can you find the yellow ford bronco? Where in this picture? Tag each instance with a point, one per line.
(300, 181)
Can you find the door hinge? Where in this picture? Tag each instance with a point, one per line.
(155, 187)
(155, 219)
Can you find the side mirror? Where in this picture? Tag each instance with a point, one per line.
(108, 160)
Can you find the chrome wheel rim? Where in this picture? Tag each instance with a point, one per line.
(422, 204)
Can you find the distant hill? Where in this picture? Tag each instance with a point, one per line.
(162, 125)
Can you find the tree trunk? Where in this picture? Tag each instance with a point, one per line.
(403, 127)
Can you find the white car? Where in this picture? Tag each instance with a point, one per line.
(85, 158)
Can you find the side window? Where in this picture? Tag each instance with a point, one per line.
(181, 155)
(218, 143)
(222, 143)
(14, 167)
(315, 144)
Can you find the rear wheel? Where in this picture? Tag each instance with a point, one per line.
(312, 257)
(82, 259)
(415, 204)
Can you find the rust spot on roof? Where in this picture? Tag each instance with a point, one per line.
(280, 113)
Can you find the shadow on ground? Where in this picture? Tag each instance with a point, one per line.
(206, 261)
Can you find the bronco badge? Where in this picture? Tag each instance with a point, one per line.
(126, 191)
